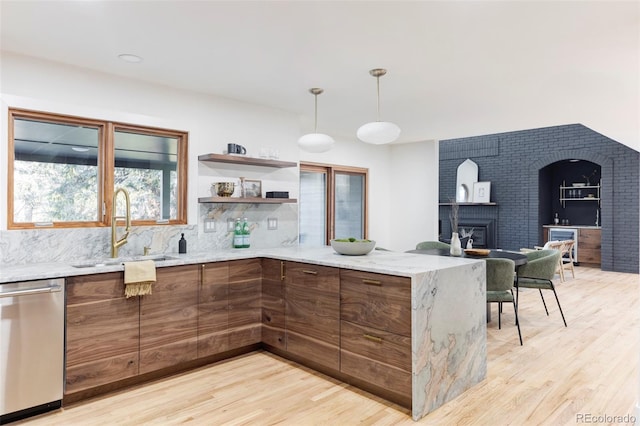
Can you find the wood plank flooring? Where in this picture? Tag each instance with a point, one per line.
(560, 374)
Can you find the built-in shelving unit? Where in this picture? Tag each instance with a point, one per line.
(579, 192)
(246, 161)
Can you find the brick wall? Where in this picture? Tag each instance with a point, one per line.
(512, 162)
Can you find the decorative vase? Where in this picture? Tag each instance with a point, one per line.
(456, 247)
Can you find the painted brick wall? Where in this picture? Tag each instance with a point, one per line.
(511, 162)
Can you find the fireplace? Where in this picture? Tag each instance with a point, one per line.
(484, 232)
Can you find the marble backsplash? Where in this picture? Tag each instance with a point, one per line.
(18, 247)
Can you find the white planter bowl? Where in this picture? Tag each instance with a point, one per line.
(355, 248)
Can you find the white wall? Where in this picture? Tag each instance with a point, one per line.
(212, 122)
(414, 168)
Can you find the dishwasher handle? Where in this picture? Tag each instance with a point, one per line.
(31, 291)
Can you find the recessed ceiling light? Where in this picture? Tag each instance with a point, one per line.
(574, 161)
(128, 57)
(79, 149)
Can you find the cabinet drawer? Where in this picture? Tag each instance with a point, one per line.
(313, 349)
(379, 301)
(245, 302)
(382, 346)
(95, 288)
(314, 314)
(312, 306)
(314, 277)
(383, 375)
(102, 330)
(101, 372)
(245, 286)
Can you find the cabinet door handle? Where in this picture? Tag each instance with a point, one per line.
(371, 282)
(282, 276)
(372, 338)
(309, 271)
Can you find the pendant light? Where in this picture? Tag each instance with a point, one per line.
(316, 142)
(378, 132)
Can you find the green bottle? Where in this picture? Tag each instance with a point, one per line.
(237, 235)
(245, 233)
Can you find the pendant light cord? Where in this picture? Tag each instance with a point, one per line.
(315, 120)
(378, 84)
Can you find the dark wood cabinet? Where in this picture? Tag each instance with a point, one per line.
(312, 312)
(376, 300)
(273, 323)
(213, 309)
(357, 324)
(102, 332)
(375, 343)
(589, 246)
(245, 307)
(169, 319)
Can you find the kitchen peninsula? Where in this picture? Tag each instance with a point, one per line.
(442, 298)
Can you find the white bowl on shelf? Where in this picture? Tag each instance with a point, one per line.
(353, 248)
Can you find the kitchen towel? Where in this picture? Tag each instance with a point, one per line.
(138, 277)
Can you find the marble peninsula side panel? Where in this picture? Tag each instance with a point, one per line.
(449, 334)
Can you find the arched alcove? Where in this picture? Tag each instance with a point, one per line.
(539, 195)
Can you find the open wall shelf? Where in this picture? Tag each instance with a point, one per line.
(247, 161)
(246, 200)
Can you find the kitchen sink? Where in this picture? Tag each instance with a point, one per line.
(119, 261)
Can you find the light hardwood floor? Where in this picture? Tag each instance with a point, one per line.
(560, 374)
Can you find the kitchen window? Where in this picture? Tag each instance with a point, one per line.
(63, 171)
(333, 203)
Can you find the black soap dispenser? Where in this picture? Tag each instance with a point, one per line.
(182, 245)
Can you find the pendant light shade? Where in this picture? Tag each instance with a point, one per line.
(316, 142)
(378, 132)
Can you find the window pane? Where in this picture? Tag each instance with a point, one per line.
(313, 192)
(349, 206)
(55, 172)
(146, 165)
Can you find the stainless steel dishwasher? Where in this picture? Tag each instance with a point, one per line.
(31, 348)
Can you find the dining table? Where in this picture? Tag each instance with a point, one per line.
(518, 258)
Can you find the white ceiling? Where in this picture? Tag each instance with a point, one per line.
(455, 68)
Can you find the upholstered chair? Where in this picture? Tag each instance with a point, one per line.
(500, 286)
(538, 273)
(428, 245)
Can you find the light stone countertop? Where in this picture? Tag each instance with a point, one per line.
(448, 307)
(392, 263)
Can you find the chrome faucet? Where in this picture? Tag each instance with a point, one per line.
(115, 243)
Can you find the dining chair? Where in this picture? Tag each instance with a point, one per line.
(566, 258)
(428, 245)
(500, 286)
(538, 273)
(555, 245)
